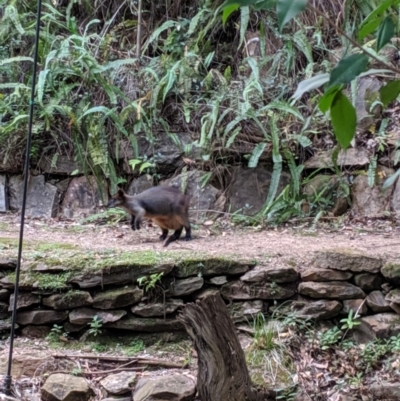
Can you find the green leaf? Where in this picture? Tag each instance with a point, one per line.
(348, 69)
(264, 5)
(255, 154)
(244, 22)
(389, 92)
(288, 9)
(385, 33)
(344, 119)
(369, 28)
(391, 180)
(228, 10)
(327, 99)
(310, 84)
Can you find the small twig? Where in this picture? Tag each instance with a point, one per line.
(351, 40)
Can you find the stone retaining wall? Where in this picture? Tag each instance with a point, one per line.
(336, 282)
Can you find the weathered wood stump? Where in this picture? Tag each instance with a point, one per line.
(222, 370)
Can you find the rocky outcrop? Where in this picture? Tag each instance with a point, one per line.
(63, 387)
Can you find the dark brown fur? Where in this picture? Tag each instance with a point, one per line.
(165, 206)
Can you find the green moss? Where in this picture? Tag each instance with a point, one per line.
(42, 281)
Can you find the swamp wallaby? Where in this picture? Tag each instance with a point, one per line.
(165, 206)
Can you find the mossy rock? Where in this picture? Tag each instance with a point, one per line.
(391, 271)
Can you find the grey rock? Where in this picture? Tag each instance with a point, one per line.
(317, 274)
(4, 205)
(321, 309)
(118, 298)
(346, 259)
(395, 202)
(170, 387)
(4, 295)
(117, 399)
(81, 198)
(367, 201)
(147, 325)
(41, 199)
(383, 325)
(391, 271)
(119, 383)
(219, 280)
(36, 331)
(15, 189)
(393, 298)
(249, 188)
(273, 274)
(356, 305)
(24, 300)
(238, 290)
(205, 292)
(351, 157)
(139, 185)
(331, 290)
(385, 391)
(8, 264)
(43, 268)
(368, 281)
(40, 317)
(246, 311)
(367, 94)
(377, 302)
(84, 316)
(63, 387)
(157, 309)
(185, 286)
(69, 300)
(73, 328)
(58, 164)
(322, 184)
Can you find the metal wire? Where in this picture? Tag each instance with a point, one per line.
(7, 379)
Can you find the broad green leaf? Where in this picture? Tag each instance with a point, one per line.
(389, 92)
(288, 9)
(327, 99)
(385, 33)
(228, 10)
(391, 180)
(344, 119)
(310, 84)
(348, 69)
(244, 22)
(378, 13)
(240, 3)
(255, 154)
(264, 5)
(369, 28)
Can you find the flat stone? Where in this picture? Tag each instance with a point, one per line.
(248, 189)
(40, 317)
(59, 164)
(63, 387)
(262, 274)
(205, 292)
(245, 311)
(385, 390)
(377, 302)
(84, 316)
(147, 325)
(36, 331)
(118, 298)
(140, 184)
(69, 300)
(317, 274)
(119, 383)
(350, 157)
(118, 275)
(24, 300)
(185, 286)
(15, 184)
(43, 268)
(345, 259)
(219, 280)
(391, 271)
(356, 305)
(74, 328)
(318, 310)
(383, 325)
(238, 290)
(157, 309)
(4, 206)
(395, 202)
(42, 198)
(8, 264)
(81, 198)
(331, 290)
(393, 299)
(368, 282)
(169, 387)
(211, 267)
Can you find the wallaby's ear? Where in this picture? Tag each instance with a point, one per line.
(121, 193)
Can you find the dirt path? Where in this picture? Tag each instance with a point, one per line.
(250, 243)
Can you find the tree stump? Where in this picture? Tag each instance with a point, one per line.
(222, 370)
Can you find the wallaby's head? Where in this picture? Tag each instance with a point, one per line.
(118, 199)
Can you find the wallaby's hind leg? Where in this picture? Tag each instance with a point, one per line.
(132, 223)
(164, 234)
(188, 235)
(174, 237)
